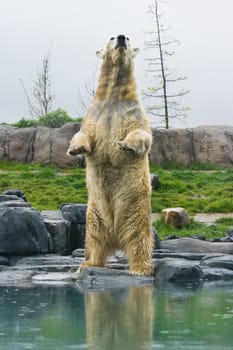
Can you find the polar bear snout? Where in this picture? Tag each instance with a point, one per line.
(121, 42)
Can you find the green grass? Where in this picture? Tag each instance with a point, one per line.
(200, 189)
(197, 191)
(217, 230)
(46, 187)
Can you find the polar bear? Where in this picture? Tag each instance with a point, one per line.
(116, 137)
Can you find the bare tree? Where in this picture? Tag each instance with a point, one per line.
(166, 101)
(41, 101)
(85, 96)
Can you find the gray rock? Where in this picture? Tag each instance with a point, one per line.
(9, 278)
(75, 213)
(208, 144)
(55, 277)
(157, 241)
(59, 230)
(224, 261)
(80, 253)
(22, 231)
(191, 245)
(157, 254)
(20, 194)
(9, 197)
(217, 274)
(104, 278)
(14, 204)
(177, 270)
(4, 261)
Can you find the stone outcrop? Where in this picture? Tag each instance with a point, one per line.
(38, 144)
(207, 144)
(25, 231)
(47, 247)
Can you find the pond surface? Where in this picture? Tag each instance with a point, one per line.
(137, 318)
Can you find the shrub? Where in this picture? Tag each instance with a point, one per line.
(55, 119)
(25, 123)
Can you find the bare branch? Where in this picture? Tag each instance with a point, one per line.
(168, 107)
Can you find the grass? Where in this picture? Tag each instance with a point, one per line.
(200, 189)
(217, 230)
(45, 187)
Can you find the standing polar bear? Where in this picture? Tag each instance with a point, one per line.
(115, 137)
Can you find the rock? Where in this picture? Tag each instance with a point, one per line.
(159, 254)
(157, 242)
(154, 181)
(61, 140)
(78, 253)
(48, 263)
(53, 277)
(217, 274)
(191, 245)
(4, 261)
(208, 144)
(22, 231)
(177, 270)
(178, 217)
(14, 204)
(9, 278)
(9, 197)
(76, 215)
(104, 278)
(20, 194)
(19, 144)
(223, 261)
(59, 230)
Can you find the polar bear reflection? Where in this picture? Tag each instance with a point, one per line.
(120, 320)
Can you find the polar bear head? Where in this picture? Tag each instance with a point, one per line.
(116, 80)
(118, 51)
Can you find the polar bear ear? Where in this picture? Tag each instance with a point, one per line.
(100, 54)
(136, 51)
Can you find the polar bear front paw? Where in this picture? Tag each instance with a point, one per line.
(137, 148)
(73, 150)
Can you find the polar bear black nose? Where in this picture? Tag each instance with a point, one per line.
(121, 39)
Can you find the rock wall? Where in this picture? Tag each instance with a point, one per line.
(206, 144)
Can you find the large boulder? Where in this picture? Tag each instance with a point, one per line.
(22, 231)
(177, 270)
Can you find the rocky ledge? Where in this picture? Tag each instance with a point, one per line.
(171, 267)
(47, 248)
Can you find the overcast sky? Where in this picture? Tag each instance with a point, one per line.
(77, 28)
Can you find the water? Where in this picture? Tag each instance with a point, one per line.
(137, 318)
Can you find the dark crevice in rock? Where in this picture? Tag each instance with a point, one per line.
(6, 143)
(192, 148)
(31, 147)
(51, 138)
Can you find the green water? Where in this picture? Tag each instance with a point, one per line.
(138, 318)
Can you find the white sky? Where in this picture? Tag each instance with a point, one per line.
(78, 28)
